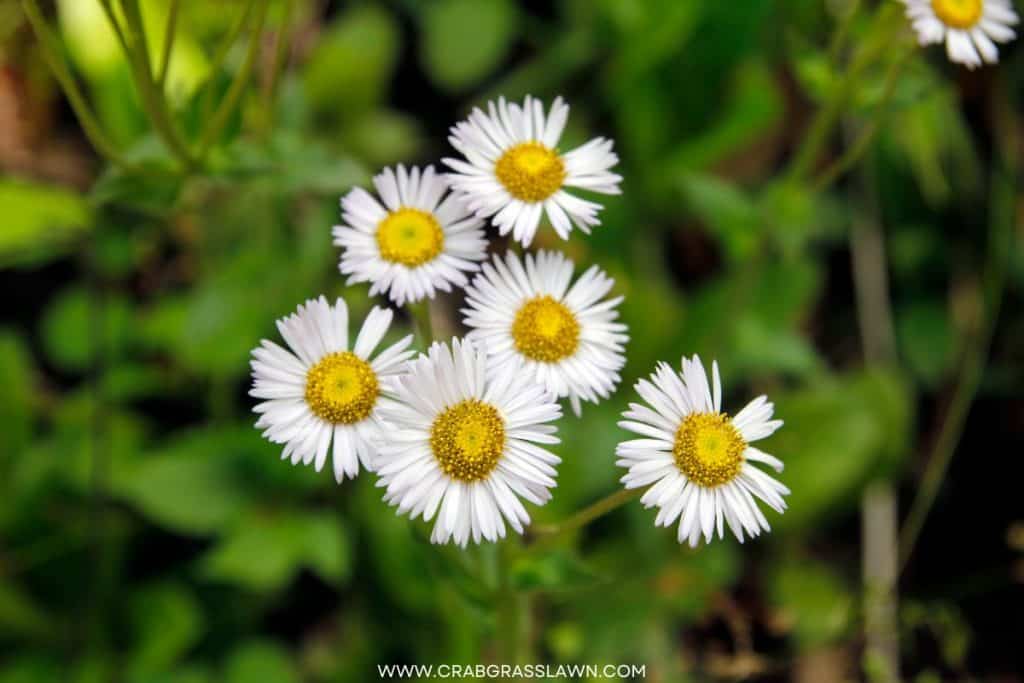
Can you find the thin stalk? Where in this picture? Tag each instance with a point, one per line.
(282, 45)
(169, 35)
(153, 100)
(856, 151)
(879, 522)
(835, 48)
(76, 98)
(511, 609)
(588, 514)
(234, 95)
(1001, 226)
(829, 114)
(422, 322)
(114, 24)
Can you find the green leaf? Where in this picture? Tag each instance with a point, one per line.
(16, 394)
(464, 40)
(70, 327)
(260, 661)
(813, 600)
(839, 433)
(725, 209)
(265, 551)
(556, 570)
(927, 340)
(39, 221)
(21, 616)
(351, 67)
(188, 486)
(167, 622)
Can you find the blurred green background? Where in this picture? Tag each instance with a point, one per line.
(149, 535)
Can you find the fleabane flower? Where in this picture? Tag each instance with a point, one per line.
(565, 335)
(514, 173)
(970, 28)
(319, 391)
(467, 445)
(700, 460)
(417, 241)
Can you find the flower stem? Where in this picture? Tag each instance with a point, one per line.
(422, 323)
(237, 88)
(76, 98)
(1002, 221)
(165, 59)
(828, 115)
(588, 514)
(856, 151)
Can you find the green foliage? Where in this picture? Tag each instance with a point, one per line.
(150, 535)
(453, 62)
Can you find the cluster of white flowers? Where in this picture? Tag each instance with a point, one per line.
(461, 433)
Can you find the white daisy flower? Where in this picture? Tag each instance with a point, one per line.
(698, 459)
(514, 172)
(463, 444)
(321, 391)
(566, 337)
(417, 242)
(970, 28)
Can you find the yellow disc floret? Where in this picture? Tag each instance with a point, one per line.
(410, 236)
(342, 388)
(709, 449)
(545, 330)
(958, 13)
(530, 171)
(468, 439)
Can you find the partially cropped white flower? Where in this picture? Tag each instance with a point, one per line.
(970, 28)
(320, 391)
(700, 460)
(514, 172)
(567, 337)
(463, 444)
(417, 242)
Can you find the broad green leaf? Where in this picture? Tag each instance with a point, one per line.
(167, 621)
(839, 433)
(77, 321)
(464, 40)
(352, 64)
(261, 661)
(926, 340)
(188, 486)
(265, 550)
(813, 600)
(39, 221)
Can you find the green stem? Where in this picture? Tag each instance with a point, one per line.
(234, 95)
(153, 100)
(281, 47)
(114, 24)
(828, 115)
(835, 48)
(76, 98)
(165, 59)
(856, 151)
(1001, 226)
(588, 514)
(422, 323)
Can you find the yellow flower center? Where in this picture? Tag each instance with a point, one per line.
(709, 449)
(342, 388)
(530, 171)
(468, 439)
(410, 237)
(958, 13)
(545, 330)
